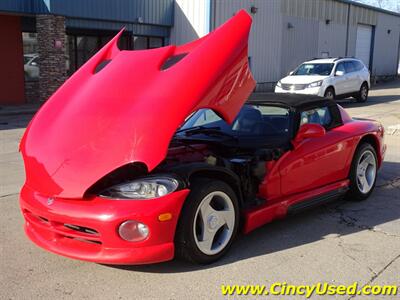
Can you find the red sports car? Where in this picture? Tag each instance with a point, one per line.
(144, 155)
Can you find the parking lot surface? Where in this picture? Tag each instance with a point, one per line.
(339, 243)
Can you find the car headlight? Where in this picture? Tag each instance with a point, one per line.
(278, 84)
(142, 189)
(315, 84)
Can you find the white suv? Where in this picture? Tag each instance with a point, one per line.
(334, 78)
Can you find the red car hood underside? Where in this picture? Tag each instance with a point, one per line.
(129, 110)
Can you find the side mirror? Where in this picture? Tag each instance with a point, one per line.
(290, 73)
(339, 73)
(307, 131)
(34, 63)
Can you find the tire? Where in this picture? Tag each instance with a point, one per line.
(190, 244)
(362, 95)
(330, 93)
(364, 165)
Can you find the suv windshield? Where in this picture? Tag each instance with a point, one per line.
(314, 69)
(263, 122)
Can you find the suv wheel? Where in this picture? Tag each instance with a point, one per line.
(208, 223)
(330, 93)
(362, 95)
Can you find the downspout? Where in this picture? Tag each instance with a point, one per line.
(207, 23)
(348, 29)
(212, 10)
(398, 59)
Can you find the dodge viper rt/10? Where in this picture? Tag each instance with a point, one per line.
(142, 156)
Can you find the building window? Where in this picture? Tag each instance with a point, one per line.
(147, 42)
(155, 42)
(31, 56)
(82, 47)
(140, 42)
(86, 47)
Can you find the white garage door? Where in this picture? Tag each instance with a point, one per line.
(363, 43)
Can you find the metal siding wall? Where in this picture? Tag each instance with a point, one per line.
(311, 35)
(316, 10)
(23, 6)
(190, 20)
(159, 12)
(299, 43)
(385, 57)
(275, 49)
(138, 29)
(332, 39)
(359, 15)
(264, 40)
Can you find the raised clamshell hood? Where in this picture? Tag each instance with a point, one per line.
(124, 106)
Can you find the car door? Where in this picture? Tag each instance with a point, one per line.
(340, 81)
(316, 161)
(360, 73)
(352, 79)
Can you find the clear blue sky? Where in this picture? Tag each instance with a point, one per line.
(393, 5)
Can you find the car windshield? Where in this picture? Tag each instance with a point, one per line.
(264, 122)
(314, 69)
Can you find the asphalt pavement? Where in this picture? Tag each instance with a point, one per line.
(339, 243)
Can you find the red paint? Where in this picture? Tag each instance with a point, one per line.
(96, 123)
(12, 64)
(129, 111)
(104, 216)
(257, 217)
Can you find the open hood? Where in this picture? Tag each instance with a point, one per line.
(124, 106)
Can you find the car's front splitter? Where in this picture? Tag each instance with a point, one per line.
(87, 229)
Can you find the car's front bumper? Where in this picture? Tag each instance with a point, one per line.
(94, 234)
(317, 91)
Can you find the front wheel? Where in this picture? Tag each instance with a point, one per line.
(363, 173)
(208, 223)
(330, 93)
(362, 95)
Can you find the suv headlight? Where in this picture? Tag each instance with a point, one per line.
(278, 84)
(142, 188)
(314, 84)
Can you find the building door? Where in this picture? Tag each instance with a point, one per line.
(363, 43)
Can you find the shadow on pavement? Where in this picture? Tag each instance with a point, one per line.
(331, 220)
(372, 100)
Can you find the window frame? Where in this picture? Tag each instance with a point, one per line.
(352, 64)
(337, 66)
(336, 119)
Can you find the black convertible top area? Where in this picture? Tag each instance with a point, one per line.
(291, 100)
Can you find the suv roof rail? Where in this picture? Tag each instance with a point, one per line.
(341, 57)
(314, 58)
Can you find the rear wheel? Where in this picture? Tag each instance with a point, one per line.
(330, 93)
(362, 95)
(363, 173)
(208, 223)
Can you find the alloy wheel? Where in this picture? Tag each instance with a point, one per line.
(364, 92)
(329, 94)
(366, 172)
(214, 223)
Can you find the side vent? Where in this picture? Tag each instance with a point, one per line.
(172, 61)
(101, 65)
